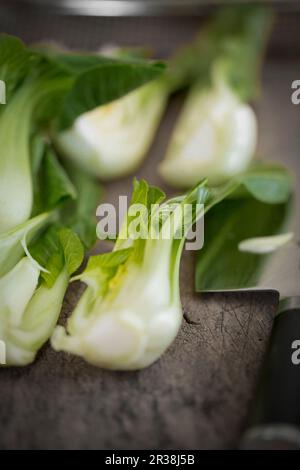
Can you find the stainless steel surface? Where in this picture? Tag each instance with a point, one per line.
(140, 7)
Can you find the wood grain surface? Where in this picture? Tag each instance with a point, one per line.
(198, 394)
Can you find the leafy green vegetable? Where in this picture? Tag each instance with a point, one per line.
(38, 254)
(101, 85)
(112, 140)
(235, 37)
(11, 250)
(263, 245)
(221, 64)
(52, 189)
(216, 133)
(16, 193)
(42, 253)
(36, 261)
(214, 137)
(57, 248)
(130, 311)
(80, 214)
(53, 186)
(15, 63)
(58, 88)
(104, 141)
(28, 318)
(220, 263)
(257, 205)
(268, 183)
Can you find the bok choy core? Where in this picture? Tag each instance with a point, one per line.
(111, 140)
(130, 311)
(216, 133)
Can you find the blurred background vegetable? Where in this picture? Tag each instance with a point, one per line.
(216, 133)
(112, 140)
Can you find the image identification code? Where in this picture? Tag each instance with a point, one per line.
(152, 459)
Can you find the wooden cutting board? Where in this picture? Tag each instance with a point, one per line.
(198, 394)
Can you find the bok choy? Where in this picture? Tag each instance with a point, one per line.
(47, 89)
(220, 263)
(38, 257)
(103, 141)
(130, 311)
(216, 133)
(31, 294)
(111, 140)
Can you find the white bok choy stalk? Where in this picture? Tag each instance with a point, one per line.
(31, 294)
(215, 136)
(131, 311)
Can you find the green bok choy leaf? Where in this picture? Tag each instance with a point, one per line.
(259, 208)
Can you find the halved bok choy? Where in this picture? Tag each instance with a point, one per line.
(38, 256)
(31, 294)
(216, 132)
(131, 311)
(112, 140)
